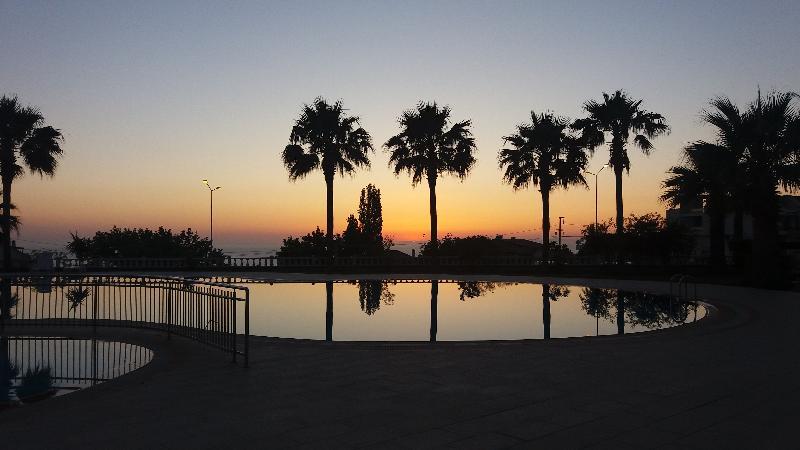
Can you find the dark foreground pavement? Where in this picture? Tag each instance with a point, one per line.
(730, 381)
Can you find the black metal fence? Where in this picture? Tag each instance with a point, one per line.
(74, 361)
(199, 310)
(344, 262)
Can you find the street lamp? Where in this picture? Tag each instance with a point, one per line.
(211, 190)
(595, 191)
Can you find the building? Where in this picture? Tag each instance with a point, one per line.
(19, 259)
(694, 217)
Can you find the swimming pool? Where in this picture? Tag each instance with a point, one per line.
(399, 310)
(37, 368)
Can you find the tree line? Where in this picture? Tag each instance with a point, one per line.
(754, 158)
(550, 152)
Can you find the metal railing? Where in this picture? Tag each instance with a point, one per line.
(301, 262)
(135, 263)
(679, 286)
(78, 361)
(212, 313)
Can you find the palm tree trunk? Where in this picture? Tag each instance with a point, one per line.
(546, 310)
(717, 237)
(329, 310)
(6, 224)
(329, 216)
(434, 309)
(618, 182)
(545, 224)
(5, 362)
(767, 263)
(5, 303)
(738, 223)
(620, 313)
(737, 243)
(5, 371)
(434, 238)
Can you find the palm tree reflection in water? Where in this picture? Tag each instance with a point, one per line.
(550, 293)
(637, 309)
(329, 311)
(434, 308)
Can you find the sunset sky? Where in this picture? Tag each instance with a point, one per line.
(152, 97)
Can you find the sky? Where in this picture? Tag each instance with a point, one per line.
(152, 97)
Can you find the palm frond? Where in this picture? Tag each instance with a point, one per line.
(643, 143)
(323, 137)
(543, 153)
(426, 147)
(708, 174)
(298, 162)
(41, 150)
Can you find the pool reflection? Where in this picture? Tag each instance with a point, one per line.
(394, 310)
(37, 368)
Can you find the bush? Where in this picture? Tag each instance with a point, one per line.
(645, 238)
(143, 242)
(478, 246)
(361, 237)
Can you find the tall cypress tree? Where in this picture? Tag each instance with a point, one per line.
(370, 216)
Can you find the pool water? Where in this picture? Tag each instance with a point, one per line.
(391, 310)
(33, 369)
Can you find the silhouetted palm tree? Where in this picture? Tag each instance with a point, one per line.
(620, 115)
(15, 222)
(732, 134)
(24, 142)
(329, 311)
(325, 138)
(434, 329)
(550, 294)
(708, 174)
(621, 297)
(771, 161)
(428, 146)
(7, 373)
(543, 154)
(546, 311)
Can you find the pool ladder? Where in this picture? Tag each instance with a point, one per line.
(679, 286)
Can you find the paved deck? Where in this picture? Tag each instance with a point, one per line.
(730, 381)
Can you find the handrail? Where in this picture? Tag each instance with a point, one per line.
(680, 280)
(204, 311)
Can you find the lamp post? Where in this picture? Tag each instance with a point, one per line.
(595, 191)
(211, 214)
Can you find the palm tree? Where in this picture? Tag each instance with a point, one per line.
(709, 174)
(325, 138)
(428, 147)
(544, 154)
(15, 222)
(550, 293)
(731, 132)
(434, 329)
(620, 115)
(24, 142)
(329, 311)
(546, 311)
(771, 162)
